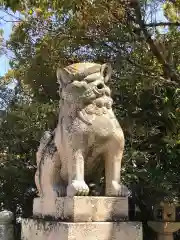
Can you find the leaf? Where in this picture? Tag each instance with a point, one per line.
(30, 12)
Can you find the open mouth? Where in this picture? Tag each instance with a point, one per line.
(94, 93)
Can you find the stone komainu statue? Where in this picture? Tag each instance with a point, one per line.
(87, 131)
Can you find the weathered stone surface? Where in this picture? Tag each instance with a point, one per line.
(6, 228)
(6, 232)
(6, 217)
(83, 209)
(87, 129)
(50, 207)
(47, 230)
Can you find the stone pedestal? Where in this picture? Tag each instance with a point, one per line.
(6, 226)
(54, 230)
(86, 209)
(76, 218)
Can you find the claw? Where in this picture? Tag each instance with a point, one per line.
(77, 188)
(119, 190)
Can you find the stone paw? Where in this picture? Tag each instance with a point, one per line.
(77, 188)
(124, 191)
(119, 190)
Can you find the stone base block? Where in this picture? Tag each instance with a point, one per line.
(82, 209)
(6, 232)
(36, 229)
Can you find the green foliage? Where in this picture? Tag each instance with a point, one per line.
(21, 130)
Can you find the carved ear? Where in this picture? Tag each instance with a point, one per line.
(63, 76)
(106, 71)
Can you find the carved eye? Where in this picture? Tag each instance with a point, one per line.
(106, 72)
(92, 77)
(89, 80)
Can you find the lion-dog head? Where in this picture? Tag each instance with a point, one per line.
(83, 90)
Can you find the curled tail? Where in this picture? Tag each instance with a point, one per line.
(45, 140)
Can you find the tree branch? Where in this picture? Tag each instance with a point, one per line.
(7, 21)
(166, 67)
(162, 24)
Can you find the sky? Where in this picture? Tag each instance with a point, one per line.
(7, 28)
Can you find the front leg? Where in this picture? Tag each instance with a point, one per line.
(113, 157)
(76, 183)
